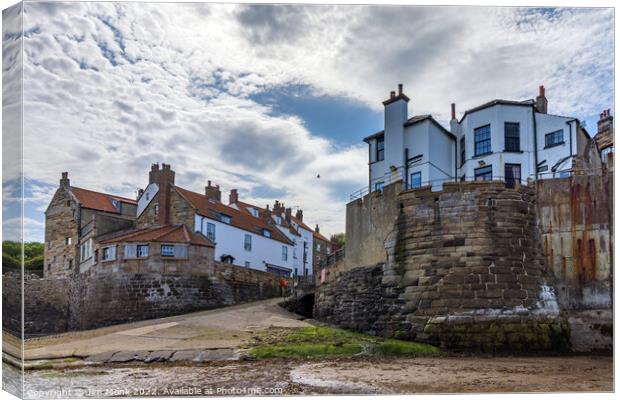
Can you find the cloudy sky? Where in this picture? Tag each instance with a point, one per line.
(265, 98)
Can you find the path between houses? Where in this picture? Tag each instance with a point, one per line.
(201, 336)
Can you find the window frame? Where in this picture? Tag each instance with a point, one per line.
(553, 135)
(247, 244)
(380, 152)
(266, 233)
(419, 174)
(225, 219)
(106, 251)
(210, 233)
(478, 174)
(512, 139)
(481, 144)
(514, 178)
(142, 246)
(161, 249)
(284, 253)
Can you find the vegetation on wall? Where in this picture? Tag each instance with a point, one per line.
(338, 238)
(11, 256)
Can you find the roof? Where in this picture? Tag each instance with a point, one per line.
(524, 103)
(99, 201)
(238, 218)
(604, 138)
(301, 223)
(161, 234)
(412, 121)
(284, 222)
(320, 237)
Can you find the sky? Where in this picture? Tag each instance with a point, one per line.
(266, 98)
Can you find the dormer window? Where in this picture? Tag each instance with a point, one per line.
(225, 219)
(278, 220)
(254, 212)
(266, 233)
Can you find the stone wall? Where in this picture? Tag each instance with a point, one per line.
(369, 224)
(61, 222)
(464, 269)
(90, 301)
(46, 306)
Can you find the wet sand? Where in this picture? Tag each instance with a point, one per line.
(339, 376)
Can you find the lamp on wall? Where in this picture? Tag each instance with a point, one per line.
(481, 163)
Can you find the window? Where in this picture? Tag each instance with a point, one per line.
(108, 253)
(278, 220)
(482, 137)
(167, 250)
(416, 180)
(156, 210)
(284, 253)
(565, 174)
(68, 241)
(380, 148)
(512, 173)
(86, 250)
(247, 243)
(484, 173)
(254, 212)
(329, 250)
(70, 264)
(211, 231)
(96, 256)
(266, 233)
(554, 138)
(247, 264)
(318, 247)
(512, 139)
(142, 250)
(379, 186)
(225, 219)
(462, 150)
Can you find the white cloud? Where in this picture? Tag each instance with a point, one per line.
(111, 88)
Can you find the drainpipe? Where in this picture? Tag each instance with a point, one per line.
(406, 168)
(535, 143)
(570, 133)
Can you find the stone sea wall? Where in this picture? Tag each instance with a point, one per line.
(463, 268)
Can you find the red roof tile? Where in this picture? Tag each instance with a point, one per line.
(99, 201)
(161, 234)
(244, 206)
(320, 237)
(239, 219)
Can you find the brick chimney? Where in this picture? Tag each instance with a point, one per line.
(278, 208)
(316, 228)
(287, 215)
(213, 192)
(164, 178)
(233, 197)
(605, 121)
(299, 215)
(64, 180)
(265, 213)
(541, 100)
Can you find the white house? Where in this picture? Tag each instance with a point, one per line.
(293, 227)
(501, 140)
(240, 238)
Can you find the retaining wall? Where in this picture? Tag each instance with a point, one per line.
(89, 301)
(463, 268)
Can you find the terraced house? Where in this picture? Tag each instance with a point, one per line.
(170, 229)
(506, 140)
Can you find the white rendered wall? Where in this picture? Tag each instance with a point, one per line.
(230, 240)
(546, 123)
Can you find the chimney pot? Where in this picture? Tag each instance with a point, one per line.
(453, 110)
(316, 228)
(541, 91)
(233, 197)
(400, 88)
(64, 179)
(392, 94)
